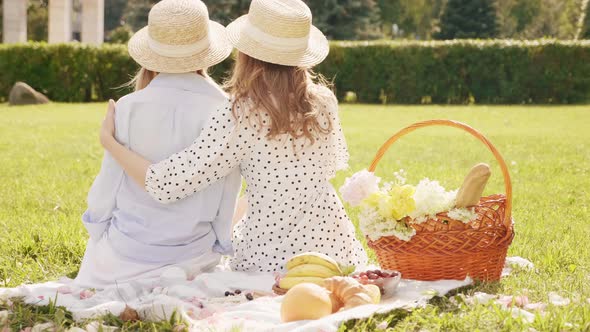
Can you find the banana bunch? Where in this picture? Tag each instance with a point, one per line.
(309, 267)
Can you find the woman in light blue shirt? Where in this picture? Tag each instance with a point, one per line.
(131, 235)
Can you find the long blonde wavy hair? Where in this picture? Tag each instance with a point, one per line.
(286, 93)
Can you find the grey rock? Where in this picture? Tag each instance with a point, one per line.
(22, 94)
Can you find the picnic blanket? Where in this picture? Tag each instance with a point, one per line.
(202, 301)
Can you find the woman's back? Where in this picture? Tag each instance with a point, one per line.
(292, 205)
(165, 117)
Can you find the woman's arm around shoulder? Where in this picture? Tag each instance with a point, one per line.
(222, 145)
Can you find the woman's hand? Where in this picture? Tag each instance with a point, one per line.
(133, 164)
(107, 130)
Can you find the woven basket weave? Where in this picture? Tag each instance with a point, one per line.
(444, 248)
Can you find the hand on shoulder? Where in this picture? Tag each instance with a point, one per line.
(107, 129)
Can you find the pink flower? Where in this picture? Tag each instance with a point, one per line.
(64, 290)
(27, 329)
(510, 301)
(41, 297)
(505, 300)
(359, 186)
(86, 294)
(521, 301)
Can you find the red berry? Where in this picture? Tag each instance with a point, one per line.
(372, 276)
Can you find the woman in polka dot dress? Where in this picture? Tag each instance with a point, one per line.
(283, 133)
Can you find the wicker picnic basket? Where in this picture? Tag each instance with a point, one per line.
(444, 248)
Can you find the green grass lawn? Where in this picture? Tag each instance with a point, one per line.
(50, 154)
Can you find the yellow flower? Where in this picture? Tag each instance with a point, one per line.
(402, 201)
(378, 201)
(396, 204)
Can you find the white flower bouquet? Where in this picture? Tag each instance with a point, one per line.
(392, 208)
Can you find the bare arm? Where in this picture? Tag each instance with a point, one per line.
(134, 165)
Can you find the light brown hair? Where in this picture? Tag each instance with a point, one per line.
(288, 94)
(145, 76)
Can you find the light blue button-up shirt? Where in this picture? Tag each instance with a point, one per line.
(156, 122)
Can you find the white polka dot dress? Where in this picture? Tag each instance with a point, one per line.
(293, 208)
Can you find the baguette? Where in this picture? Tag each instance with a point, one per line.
(473, 186)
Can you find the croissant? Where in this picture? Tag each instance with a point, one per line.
(347, 293)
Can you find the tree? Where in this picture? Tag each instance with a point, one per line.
(418, 18)
(37, 20)
(136, 13)
(584, 21)
(555, 19)
(346, 19)
(120, 35)
(468, 19)
(225, 11)
(113, 14)
(515, 17)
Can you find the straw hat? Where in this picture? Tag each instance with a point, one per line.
(280, 32)
(179, 38)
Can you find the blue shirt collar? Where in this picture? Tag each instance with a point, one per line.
(187, 81)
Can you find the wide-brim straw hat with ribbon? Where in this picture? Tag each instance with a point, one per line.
(279, 32)
(179, 38)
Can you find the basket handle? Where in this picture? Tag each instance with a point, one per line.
(473, 132)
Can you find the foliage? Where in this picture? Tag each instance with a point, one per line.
(50, 154)
(71, 72)
(338, 19)
(120, 35)
(461, 71)
(37, 20)
(416, 18)
(363, 19)
(515, 16)
(225, 11)
(468, 19)
(584, 21)
(136, 13)
(113, 14)
(452, 72)
(346, 19)
(556, 18)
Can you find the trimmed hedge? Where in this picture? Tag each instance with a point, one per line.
(71, 72)
(456, 72)
(462, 71)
